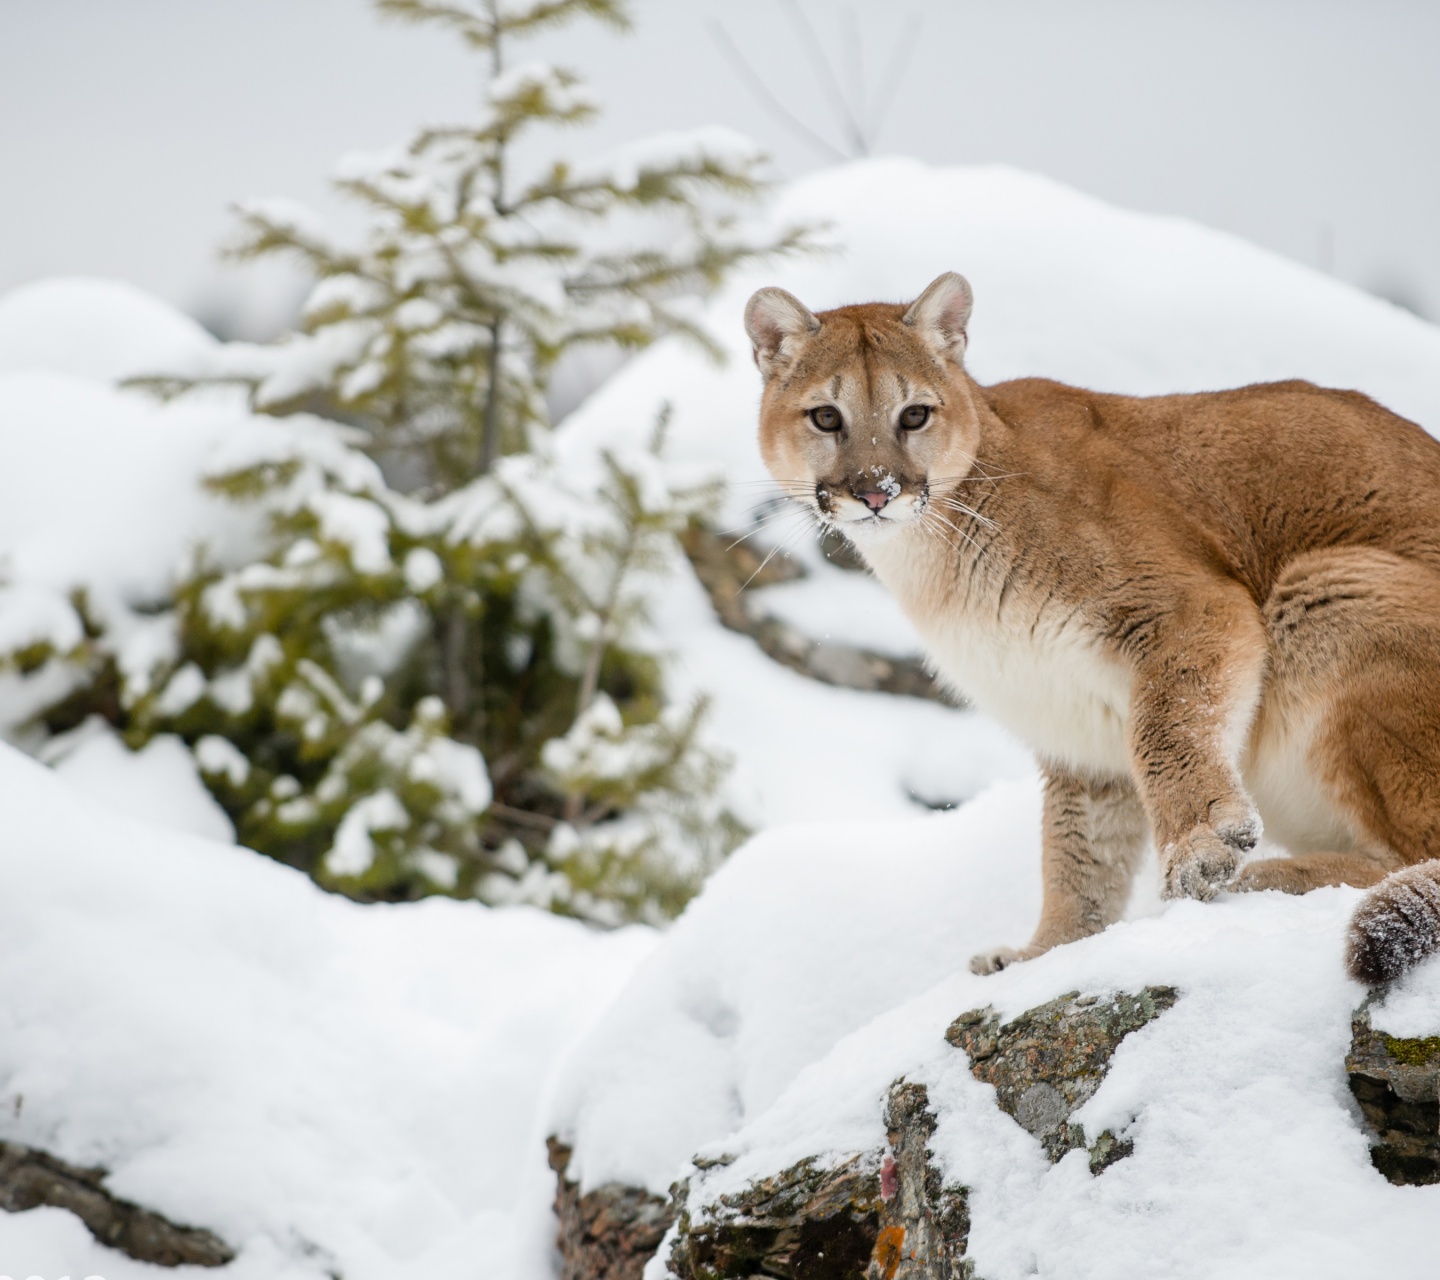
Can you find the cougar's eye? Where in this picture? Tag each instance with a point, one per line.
(914, 416)
(826, 417)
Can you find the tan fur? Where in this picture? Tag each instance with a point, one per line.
(1201, 611)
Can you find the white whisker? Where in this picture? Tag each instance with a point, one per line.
(785, 546)
(933, 514)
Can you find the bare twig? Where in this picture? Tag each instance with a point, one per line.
(768, 100)
(825, 73)
(890, 82)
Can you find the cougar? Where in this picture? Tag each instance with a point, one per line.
(1203, 612)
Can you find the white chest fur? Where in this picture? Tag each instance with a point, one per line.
(1045, 680)
(1057, 692)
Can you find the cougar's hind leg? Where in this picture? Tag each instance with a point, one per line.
(1391, 780)
(1306, 871)
(1358, 644)
(1093, 836)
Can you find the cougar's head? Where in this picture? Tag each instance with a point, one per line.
(867, 414)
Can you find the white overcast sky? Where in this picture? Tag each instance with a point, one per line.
(1308, 126)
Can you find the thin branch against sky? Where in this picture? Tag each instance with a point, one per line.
(830, 84)
(768, 100)
(859, 116)
(889, 86)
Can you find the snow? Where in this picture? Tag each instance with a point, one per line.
(31, 616)
(222, 758)
(854, 609)
(823, 962)
(354, 850)
(69, 446)
(328, 1086)
(1408, 1008)
(157, 784)
(99, 329)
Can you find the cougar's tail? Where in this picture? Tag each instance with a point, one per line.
(1396, 925)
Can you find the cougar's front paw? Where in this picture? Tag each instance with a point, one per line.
(1201, 862)
(998, 958)
(1237, 824)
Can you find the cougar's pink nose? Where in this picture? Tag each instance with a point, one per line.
(873, 498)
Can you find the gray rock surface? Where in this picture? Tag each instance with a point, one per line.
(884, 1215)
(30, 1178)
(1050, 1060)
(1397, 1084)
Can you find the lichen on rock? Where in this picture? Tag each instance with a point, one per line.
(1396, 1081)
(1049, 1061)
(924, 1224)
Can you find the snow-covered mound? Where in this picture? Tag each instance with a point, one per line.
(821, 964)
(334, 1089)
(99, 488)
(100, 329)
(101, 495)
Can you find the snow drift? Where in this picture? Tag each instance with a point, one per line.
(326, 1086)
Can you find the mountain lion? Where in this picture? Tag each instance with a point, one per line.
(1201, 611)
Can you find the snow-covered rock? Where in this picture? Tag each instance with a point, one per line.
(822, 964)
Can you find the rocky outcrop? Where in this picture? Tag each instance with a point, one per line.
(881, 1215)
(924, 1224)
(725, 569)
(30, 1178)
(884, 1216)
(1049, 1061)
(1397, 1084)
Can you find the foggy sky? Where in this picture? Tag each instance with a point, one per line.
(1309, 126)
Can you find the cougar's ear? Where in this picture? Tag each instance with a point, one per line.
(776, 321)
(941, 313)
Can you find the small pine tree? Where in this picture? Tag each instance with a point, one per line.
(437, 331)
(436, 675)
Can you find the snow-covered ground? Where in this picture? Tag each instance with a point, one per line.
(327, 1086)
(293, 1070)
